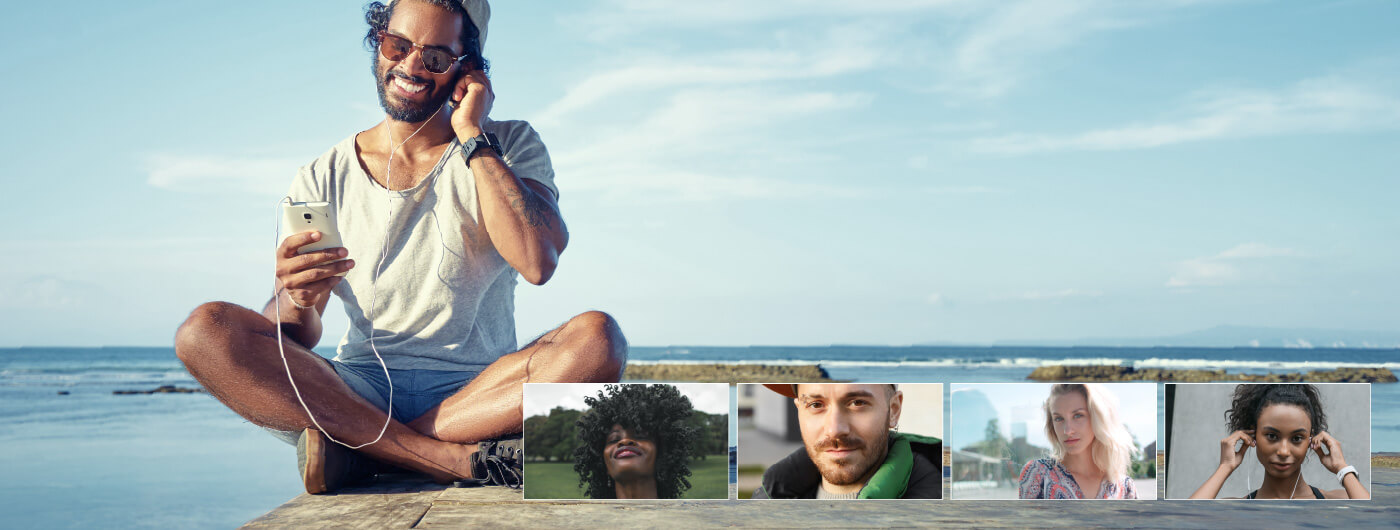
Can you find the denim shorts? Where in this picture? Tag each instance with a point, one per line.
(415, 391)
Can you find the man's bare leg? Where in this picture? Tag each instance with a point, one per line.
(232, 351)
(589, 348)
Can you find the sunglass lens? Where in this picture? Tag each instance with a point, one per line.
(436, 61)
(394, 48)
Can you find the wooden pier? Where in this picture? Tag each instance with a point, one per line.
(410, 503)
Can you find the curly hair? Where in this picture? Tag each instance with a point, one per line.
(377, 15)
(1249, 401)
(660, 412)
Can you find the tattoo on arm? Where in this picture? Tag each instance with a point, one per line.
(536, 212)
(533, 209)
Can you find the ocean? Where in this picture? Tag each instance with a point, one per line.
(90, 458)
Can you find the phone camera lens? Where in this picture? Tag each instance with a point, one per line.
(307, 216)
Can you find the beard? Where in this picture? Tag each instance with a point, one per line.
(406, 111)
(854, 467)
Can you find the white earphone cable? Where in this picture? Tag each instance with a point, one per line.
(374, 293)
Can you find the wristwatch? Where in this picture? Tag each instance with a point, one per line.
(486, 139)
(1342, 473)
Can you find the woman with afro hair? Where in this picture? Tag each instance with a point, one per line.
(1283, 422)
(635, 442)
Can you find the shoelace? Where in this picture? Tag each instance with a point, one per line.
(500, 464)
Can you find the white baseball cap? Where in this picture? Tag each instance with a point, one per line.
(480, 13)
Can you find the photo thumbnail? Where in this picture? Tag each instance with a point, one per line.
(1283, 441)
(831, 440)
(1054, 441)
(626, 441)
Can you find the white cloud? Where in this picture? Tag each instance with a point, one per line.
(1060, 294)
(672, 153)
(997, 52)
(727, 69)
(1226, 267)
(220, 173)
(1008, 41)
(627, 16)
(962, 190)
(1257, 250)
(50, 292)
(653, 182)
(1322, 105)
(977, 49)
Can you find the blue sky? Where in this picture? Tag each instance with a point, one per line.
(779, 172)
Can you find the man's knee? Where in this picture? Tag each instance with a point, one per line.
(208, 327)
(604, 343)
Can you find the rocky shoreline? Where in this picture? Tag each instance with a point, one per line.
(726, 373)
(163, 389)
(1127, 373)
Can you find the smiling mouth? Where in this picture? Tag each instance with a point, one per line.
(407, 88)
(625, 453)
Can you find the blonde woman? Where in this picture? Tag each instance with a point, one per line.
(1092, 448)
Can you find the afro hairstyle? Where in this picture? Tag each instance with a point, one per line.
(660, 413)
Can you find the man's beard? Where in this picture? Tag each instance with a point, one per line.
(404, 111)
(852, 468)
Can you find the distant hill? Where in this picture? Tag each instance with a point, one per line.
(1241, 337)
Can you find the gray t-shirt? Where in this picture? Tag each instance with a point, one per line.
(445, 297)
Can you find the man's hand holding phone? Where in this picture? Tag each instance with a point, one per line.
(308, 278)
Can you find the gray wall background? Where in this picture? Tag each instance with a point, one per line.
(1198, 425)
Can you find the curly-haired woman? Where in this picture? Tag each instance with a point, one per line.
(1283, 423)
(636, 442)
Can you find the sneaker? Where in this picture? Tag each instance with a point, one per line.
(496, 463)
(327, 466)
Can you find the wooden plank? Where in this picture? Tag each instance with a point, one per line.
(463, 509)
(410, 504)
(395, 502)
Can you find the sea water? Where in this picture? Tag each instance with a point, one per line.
(90, 458)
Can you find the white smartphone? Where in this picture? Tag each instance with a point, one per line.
(301, 217)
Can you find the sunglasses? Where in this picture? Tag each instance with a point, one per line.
(436, 60)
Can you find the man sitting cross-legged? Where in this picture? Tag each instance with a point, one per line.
(435, 243)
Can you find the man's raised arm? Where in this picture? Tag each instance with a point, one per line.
(521, 215)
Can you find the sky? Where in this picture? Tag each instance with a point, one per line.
(740, 173)
(1024, 402)
(540, 398)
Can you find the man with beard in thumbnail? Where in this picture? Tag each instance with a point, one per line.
(440, 209)
(852, 449)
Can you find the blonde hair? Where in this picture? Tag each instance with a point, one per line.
(1113, 445)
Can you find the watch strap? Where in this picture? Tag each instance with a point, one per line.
(485, 139)
(1342, 473)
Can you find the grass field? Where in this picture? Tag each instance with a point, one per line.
(709, 479)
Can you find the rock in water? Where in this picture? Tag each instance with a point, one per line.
(163, 389)
(726, 373)
(1126, 373)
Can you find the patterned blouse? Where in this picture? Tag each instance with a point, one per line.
(1047, 479)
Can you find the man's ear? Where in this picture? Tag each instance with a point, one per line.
(896, 406)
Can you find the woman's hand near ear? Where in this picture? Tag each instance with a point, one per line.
(1332, 459)
(1230, 459)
